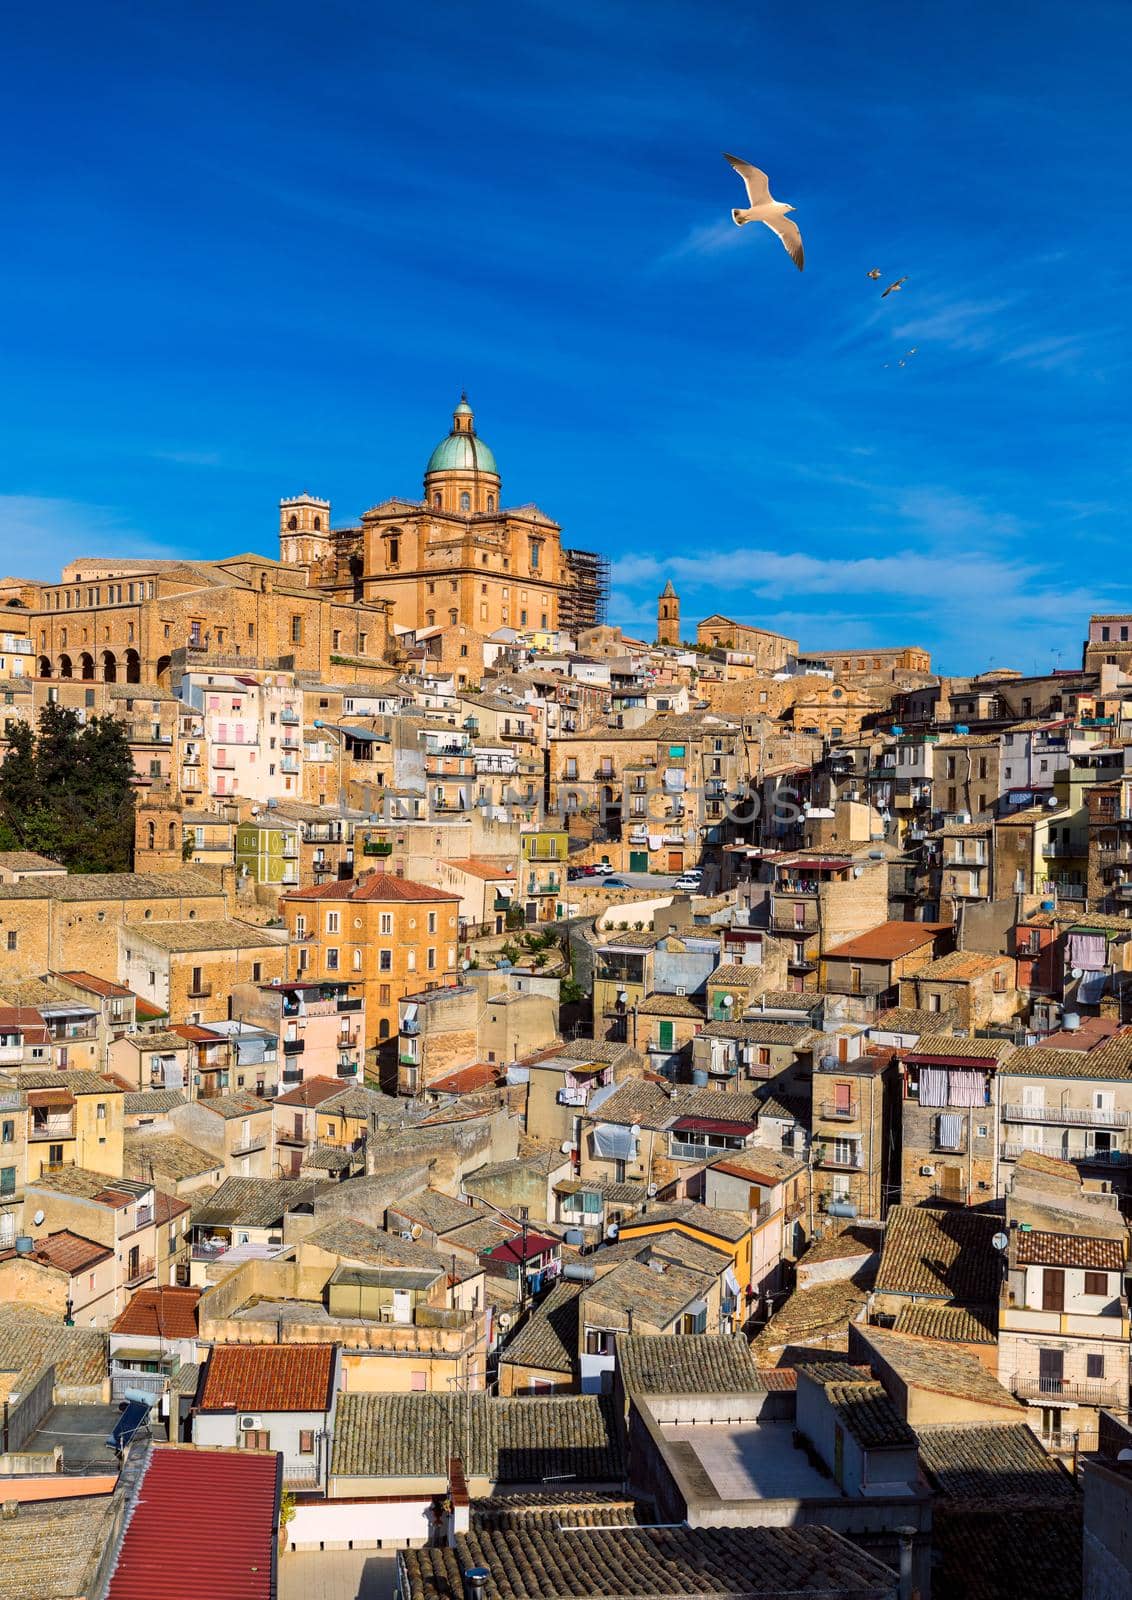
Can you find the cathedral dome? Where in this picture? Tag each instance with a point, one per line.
(461, 451)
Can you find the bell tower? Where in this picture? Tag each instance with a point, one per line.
(304, 530)
(668, 616)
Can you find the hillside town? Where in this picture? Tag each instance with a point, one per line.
(539, 1112)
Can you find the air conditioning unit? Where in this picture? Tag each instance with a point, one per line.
(927, 1172)
(250, 1424)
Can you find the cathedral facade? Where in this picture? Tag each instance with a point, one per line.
(456, 556)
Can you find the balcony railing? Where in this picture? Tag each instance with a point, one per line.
(1071, 1116)
(294, 1047)
(1086, 1393)
(142, 1271)
(1011, 1151)
(199, 991)
(54, 1128)
(249, 1147)
(833, 1112)
(845, 1161)
(209, 1249)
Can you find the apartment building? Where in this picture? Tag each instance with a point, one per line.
(1063, 1323)
(189, 969)
(852, 1110)
(950, 1093)
(252, 732)
(979, 988)
(66, 1119)
(385, 933)
(820, 899)
(118, 1213)
(1070, 1103)
(320, 1026)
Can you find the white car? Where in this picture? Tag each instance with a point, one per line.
(603, 868)
(687, 883)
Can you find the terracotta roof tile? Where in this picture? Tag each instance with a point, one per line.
(268, 1377)
(940, 1253)
(1034, 1248)
(383, 886)
(889, 942)
(161, 1313)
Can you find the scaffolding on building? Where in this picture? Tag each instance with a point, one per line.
(585, 603)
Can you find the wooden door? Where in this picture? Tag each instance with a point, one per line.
(951, 1183)
(1053, 1291)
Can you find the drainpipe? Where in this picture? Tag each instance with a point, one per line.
(905, 1537)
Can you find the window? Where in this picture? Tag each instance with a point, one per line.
(257, 971)
(12, 939)
(332, 960)
(1096, 1283)
(418, 1382)
(7, 1132)
(386, 922)
(394, 552)
(431, 963)
(599, 1342)
(385, 961)
(332, 921)
(100, 1111)
(306, 1442)
(7, 1180)
(255, 1439)
(1094, 1362)
(432, 922)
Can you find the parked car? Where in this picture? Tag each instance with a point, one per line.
(602, 868)
(687, 883)
(574, 873)
(615, 883)
(589, 870)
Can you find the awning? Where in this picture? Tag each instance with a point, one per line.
(365, 735)
(712, 1125)
(410, 1012)
(730, 1281)
(503, 890)
(51, 1099)
(613, 1142)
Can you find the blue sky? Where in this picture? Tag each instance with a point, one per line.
(256, 249)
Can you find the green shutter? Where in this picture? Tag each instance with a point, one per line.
(665, 1030)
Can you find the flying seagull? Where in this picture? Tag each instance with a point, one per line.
(875, 273)
(765, 209)
(900, 282)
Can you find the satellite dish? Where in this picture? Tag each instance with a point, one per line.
(415, 1231)
(651, 1191)
(504, 1321)
(635, 1131)
(465, 964)
(1075, 972)
(566, 1147)
(612, 1231)
(1000, 1241)
(38, 1218)
(728, 1000)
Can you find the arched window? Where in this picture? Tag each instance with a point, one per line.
(317, 523)
(430, 618)
(150, 835)
(491, 502)
(292, 523)
(453, 617)
(465, 501)
(172, 836)
(436, 500)
(383, 1028)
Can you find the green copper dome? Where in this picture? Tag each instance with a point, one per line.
(461, 451)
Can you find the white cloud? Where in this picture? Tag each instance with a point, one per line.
(706, 240)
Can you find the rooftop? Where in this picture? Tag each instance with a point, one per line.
(178, 938)
(163, 1551)
(997, 1463)
(888, 942)
(548, 1340)
(961, 966)
(646, 1563)
(268, 1377)
(944, 1369)
(941, 1253)
(383, 886)
(510, 1441)
(700, 1363)
(948, 1324)
(162, 1313)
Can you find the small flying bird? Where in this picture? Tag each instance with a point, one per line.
(875, 273)
(900, 282)
(764, 208)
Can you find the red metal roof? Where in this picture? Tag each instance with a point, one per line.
(465, 1080)
(96, 985)
(311, 1092)
(711, 1125)
(537, 1244)
(168, 1555)
(268, 1377)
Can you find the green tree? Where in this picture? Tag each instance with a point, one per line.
(68, 791)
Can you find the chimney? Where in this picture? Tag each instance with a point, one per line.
(10, 1510)
(475, 1583)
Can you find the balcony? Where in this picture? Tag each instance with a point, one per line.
(1011, 1151)
(851, 1160)
(350, 1004)
(1085, 1393)
(53, 1128)
(1055, 849)
(410, 1026)
(290, 719)
(142, 1270)
(294, 1047)
(832, 1112)
(250, 1146)
(199, 991)
(376, 847)
(209, 1249)
(347, 1069)
(289, 764)
(1068, 1116)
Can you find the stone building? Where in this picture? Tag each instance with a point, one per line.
(189, 969)
(949, 1114)
(769, 651)
(455, 556)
